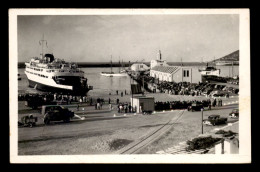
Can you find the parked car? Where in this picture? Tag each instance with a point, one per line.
(234, 113)
(218, 95)
(28, 121)
(195, 106)
(56, 113)
(214, 120)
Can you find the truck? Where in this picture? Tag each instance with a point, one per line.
(195, 107)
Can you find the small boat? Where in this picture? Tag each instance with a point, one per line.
(210, 70)
(109, 74)
(113, 74)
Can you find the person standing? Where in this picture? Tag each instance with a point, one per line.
(109, 100)
(80, 101)
(209, 106)
(125, 108)
(91, 101)
(121, 108)
(118, 108)
(214, 102)
(130, 109)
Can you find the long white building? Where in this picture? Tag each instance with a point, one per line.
(176, 74)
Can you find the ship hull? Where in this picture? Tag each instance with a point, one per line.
(210, 73)
(47, 88)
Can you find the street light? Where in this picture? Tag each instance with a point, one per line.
(202, 120)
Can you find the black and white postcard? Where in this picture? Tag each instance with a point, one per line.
(129, 86)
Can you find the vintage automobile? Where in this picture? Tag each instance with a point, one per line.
(195, 107)
(218, 95)
(214, 120)
(28, 121)
(56, 113)
(234, 113)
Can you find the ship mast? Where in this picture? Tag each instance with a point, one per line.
(119, 65)
(111, 63)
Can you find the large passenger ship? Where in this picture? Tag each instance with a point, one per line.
(55, 75)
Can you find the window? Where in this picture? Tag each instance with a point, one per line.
(184, 73)
(187, 73)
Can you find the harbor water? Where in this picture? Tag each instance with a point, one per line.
(103, 85)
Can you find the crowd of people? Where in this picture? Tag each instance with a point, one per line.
(50, 97)
(171, 105)
(124, 108)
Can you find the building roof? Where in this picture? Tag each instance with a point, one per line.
(166, 69)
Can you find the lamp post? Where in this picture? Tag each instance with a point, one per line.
(202, 120)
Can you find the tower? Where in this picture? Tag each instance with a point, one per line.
(160, 55)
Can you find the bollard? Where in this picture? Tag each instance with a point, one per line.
(82, 108)
(114, 115)
(163, 110)
(124, 114)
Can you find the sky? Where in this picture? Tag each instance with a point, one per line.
(95, 38)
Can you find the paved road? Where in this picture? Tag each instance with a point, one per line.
(94, 127)
(93, 124)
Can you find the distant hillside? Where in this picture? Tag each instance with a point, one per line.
(230, 57)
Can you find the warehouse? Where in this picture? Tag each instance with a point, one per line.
(139, 67)
(176, 74)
